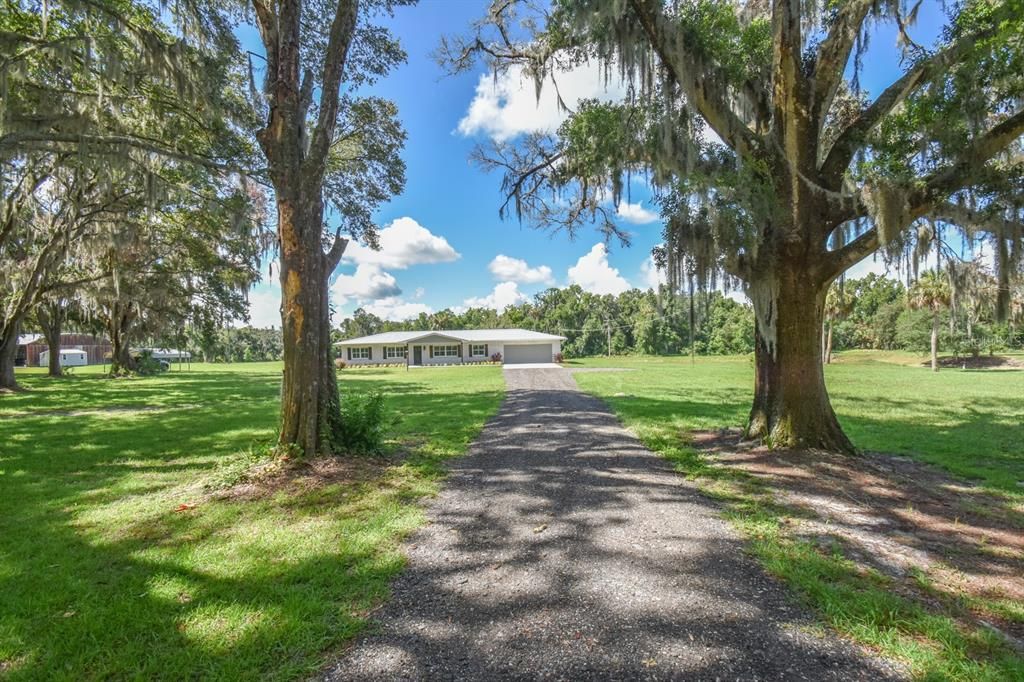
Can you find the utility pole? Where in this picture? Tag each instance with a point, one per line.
(608, 328)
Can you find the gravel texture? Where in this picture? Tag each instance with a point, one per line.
(561, 548)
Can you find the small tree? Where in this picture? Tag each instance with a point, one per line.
(932, 293)
(837, 306)
(332, 148)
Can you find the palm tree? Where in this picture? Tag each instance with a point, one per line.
(837, 306)
(932, 292)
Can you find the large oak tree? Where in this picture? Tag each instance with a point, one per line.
(774, 170)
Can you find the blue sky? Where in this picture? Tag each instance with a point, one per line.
(444, 245)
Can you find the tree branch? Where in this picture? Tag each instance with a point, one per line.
(941, 184)
(853, 137)
(338, 43)
(839, 261)
(697, 80)
(834, 54)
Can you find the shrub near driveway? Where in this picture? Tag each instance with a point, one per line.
(117, 561)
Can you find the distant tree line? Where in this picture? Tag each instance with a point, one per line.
(873, 312)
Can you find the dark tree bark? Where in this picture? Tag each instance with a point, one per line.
(8, 355)
(51, 319)
(119, 327)
(310, 414)
(935, 341)
(791, 406)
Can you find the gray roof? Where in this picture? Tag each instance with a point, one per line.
(481, 335)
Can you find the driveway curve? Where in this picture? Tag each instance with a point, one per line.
(561, 548)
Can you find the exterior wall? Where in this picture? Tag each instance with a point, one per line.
(376, 355)
(97, 348)
(447, 360)
(68, 358)
(377, 352)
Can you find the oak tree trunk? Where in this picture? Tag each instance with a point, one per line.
(791, 405)
(310, 411)
(121, 359)
(8, 355)
(935, 342)
(52, 324)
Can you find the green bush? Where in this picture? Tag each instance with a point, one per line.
(365, 420)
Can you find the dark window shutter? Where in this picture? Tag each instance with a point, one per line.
(486, 354)
(349, 349)
(370, 352)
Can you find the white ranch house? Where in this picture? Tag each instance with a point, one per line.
(516, 346)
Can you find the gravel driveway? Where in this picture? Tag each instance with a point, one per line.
(561, 548)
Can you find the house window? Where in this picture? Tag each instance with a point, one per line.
(359, 353)
(478, 350)
(395, 352)
(444, 351)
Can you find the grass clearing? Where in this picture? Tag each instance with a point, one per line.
(117, 562)
(970, 424)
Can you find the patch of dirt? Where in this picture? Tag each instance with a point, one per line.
(897, 516)
(979, 362)
(299, 476)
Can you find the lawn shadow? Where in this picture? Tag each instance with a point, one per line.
(113, 581)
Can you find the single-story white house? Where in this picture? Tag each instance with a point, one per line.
(516, 346)
(69, 357)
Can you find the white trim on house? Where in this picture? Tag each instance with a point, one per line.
(443, 347)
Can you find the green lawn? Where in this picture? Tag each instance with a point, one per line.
(969, 422)
(101, 577)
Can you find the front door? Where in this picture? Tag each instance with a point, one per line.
(417, 355)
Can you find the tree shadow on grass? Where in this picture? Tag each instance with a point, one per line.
(108, 580)
(561, 547)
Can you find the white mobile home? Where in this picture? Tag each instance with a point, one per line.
(69, 357)
(513, 346)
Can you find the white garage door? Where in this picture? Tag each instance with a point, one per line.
(535, 352)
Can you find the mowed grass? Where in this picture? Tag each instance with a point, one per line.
(970, 423)
(102, 576)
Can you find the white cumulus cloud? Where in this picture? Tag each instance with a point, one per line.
(369, 282)
(636, 213)
(594, 274)
(403, 243)
(508, 106)
(504, 295)
(396, 309)
(508, 269)
(651, 276)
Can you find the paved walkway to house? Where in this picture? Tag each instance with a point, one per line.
(561, 548)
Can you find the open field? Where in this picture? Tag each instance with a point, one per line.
(905, 557)
(117, 560)
(127, 558)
